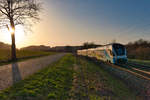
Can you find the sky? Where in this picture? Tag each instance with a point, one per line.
(73, 22)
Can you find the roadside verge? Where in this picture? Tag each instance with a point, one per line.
(12, 73)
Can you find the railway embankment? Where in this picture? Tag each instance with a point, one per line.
(138, 83)
(70, 78)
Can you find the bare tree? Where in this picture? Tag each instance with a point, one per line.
(16, 12)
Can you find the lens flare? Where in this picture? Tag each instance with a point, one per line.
(11, 30)
(19, 34)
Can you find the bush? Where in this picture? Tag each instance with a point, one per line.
(139, 50)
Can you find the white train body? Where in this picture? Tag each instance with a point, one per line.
(113, 53)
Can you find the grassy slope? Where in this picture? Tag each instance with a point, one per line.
(100, 84)
(5, 55)
(56, 82)
(143, 62)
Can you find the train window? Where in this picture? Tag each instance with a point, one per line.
(119, 49)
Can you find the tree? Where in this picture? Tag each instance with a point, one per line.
(87, 45)
(68, 48)
(17, 12)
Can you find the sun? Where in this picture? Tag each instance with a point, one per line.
(19, 34)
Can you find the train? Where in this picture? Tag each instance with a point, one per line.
(114, 53)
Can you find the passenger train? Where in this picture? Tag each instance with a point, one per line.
(113, 53)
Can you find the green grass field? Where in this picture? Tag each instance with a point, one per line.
(143, 62)
(69, 79)
(5, 55)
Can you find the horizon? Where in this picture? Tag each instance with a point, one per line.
(76, 45)
(72, 22)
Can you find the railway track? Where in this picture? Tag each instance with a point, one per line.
(140, 66)
(135, 76)
(133, 68)
(141, 70)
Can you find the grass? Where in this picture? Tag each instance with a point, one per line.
(143, 62)
(5, 55)
(69, 79)
(101, 85)
(53, 82)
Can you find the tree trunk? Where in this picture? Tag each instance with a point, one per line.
(13, 45)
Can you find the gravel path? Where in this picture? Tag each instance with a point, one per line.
(12, 73)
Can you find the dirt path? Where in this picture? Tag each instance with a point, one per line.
(79, 90)
(12, 73)
(88, 85)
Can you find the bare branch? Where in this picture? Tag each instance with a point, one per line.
(19, 10)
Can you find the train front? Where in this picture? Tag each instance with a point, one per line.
(120, 53)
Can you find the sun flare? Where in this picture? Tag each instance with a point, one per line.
(19, 34)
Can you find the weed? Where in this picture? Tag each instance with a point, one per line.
(53, 82)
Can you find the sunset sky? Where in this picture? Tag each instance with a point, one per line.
(72, 22)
